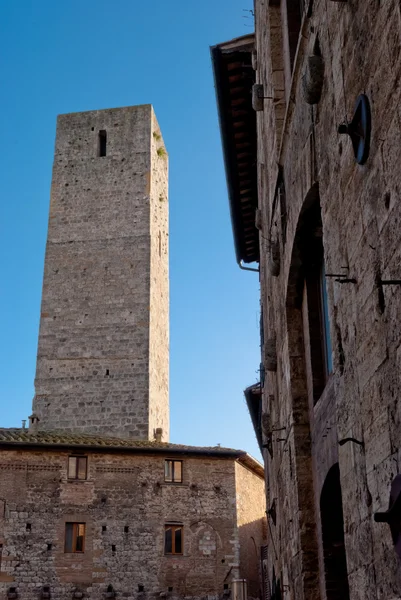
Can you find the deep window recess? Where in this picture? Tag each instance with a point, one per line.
(173, 539)
(294, 19)
(335, 561)
(77, 467)
(173, 471)
(316, 291)
(74, 537)
(102, 150)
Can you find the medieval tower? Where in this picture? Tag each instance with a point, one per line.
(102, 364)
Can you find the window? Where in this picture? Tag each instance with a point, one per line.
(334, 555)
(77, 467)
(173, 471)
(102, 146)
(317, 304)
(173, 539)
(295, 10)
(74, 537)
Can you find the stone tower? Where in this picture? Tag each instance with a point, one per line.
(102, 364)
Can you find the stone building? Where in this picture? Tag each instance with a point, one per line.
(310, 118)
(94, 501)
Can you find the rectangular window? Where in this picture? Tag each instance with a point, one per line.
(173, 471)
(74, 537)
(102, 149)
(173, 539)
(77, 467)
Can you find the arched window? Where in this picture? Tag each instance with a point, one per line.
(331, 513)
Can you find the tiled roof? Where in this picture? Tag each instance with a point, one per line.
(14, 437)
(57, 438)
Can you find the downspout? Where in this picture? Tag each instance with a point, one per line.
(241, 266)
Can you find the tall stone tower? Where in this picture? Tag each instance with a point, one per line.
(102, 364)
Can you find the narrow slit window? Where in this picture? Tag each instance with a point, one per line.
(173, 471)
(74, 537)
(173, 539)
(295, 10)
(102, 143)
(77, 467)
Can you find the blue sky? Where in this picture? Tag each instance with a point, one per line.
(81, 55)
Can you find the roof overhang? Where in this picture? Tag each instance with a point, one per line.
(234, 78)
(253, 397)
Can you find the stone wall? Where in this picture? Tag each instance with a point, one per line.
(122, 491)
(96, 340)
(360, 43)
(251, 519)
(159, 287)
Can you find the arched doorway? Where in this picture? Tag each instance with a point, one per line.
(331, 514)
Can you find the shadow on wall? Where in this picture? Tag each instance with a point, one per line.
(252, 537)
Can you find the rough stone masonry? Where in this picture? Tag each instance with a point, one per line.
(94, 501)
(102, 362)
(322, 175)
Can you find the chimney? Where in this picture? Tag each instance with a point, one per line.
(158, 434)
(33, 423)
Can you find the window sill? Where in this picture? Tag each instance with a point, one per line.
(79, 481)
(174, 484)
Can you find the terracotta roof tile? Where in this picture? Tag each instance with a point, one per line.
(55, 438)
(14, 437)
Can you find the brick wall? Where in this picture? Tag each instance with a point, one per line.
(251, 519)
(122, 491)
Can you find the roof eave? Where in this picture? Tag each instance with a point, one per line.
(228, 150)
(26, 445)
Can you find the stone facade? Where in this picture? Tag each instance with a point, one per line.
(125, 504)
(328, 225)
(103, 350)
(86, 507)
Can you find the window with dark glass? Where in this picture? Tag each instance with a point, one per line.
(173, 471)
(77, 467)
(74, 537)
(317, 304)
(173, 539)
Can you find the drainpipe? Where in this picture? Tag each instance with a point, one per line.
(241, 266)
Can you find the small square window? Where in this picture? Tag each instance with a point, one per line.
(173, 539)
(77, 467)
(173, 471)
(74, 537)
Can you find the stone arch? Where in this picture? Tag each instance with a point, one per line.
(206, 540)
(332, 521)
(300, 410)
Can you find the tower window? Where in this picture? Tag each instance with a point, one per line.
(173, 471)
(74, 537)
(102, 149)
(173, 539)
(77, 467)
